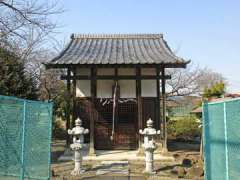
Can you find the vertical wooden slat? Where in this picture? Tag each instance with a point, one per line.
(92, 116)
(164, 110)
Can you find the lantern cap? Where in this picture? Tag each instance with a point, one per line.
(149, 122)
(78, 122)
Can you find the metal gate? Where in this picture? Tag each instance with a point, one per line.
(222, 140)
(25, 138)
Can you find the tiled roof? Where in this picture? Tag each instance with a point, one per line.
(117, 49)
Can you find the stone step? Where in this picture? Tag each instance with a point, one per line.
(112, 171)
(115, 163)
(112, 167)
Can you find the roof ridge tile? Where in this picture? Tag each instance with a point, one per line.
(117, 36)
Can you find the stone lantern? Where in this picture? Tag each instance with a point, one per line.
(149, 145)
(78, 133)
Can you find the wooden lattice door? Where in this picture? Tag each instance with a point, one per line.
(125, 125)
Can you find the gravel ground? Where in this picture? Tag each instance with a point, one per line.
(61, 170)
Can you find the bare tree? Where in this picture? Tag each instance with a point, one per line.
(209, 78)
(25, 25)
(183, 81)
(48, 80)
(50, 85)
(191, 81)
(27, 29)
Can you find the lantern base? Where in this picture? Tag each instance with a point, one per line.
(78, 172)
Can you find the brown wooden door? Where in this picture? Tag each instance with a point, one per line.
(125, 126)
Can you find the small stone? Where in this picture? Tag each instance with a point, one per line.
(174, 170)
(195, 172)
(187, 162)
(200, 164)
(176, 156)
(179, 171)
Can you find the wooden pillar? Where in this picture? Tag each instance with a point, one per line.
(74, 97)
(92, 116)
(164, 131)
(139, 104)
(68, 106)
(158, 121)
(116, 105)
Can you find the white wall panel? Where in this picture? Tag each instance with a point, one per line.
(149, 88)
(83, 88)
(127, 88)
(104, 88)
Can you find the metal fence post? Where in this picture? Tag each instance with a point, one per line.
(23, 141)
(226, 139)
(205, 122)
(50, 106)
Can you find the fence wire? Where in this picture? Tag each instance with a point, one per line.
(222, 140)
(25, 139)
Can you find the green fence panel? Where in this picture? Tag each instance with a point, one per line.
(11, 115)
(25, 138)
(222, 140)
(233, 138)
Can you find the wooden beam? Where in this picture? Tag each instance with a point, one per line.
(92, 114)
(164, 110)
(68, 106)
(121, 77)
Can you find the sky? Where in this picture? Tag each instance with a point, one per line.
(205, 31)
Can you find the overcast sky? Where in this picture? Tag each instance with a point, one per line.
(205, 31)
